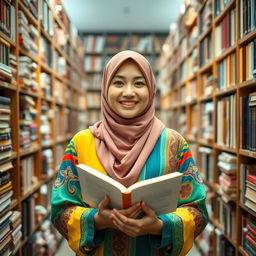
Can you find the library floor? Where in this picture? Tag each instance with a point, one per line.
(64, 250)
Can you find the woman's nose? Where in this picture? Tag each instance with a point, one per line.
(128, 91)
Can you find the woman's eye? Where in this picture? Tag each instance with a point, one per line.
(118, 83)
(139, 84)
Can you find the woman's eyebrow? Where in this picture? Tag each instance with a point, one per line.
(118, 76)
(139, 77)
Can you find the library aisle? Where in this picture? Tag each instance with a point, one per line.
(52, 55)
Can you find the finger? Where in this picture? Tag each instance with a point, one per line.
(123, 219)
(136, 213)
(104, 203)
(130, 211)
(126, 231)
(130, 230)
(148, 210)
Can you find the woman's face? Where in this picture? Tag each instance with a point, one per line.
(128, 94)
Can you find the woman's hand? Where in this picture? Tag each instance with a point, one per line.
(104, 217)
(149, 224)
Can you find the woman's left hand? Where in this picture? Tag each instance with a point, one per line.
(149, 224)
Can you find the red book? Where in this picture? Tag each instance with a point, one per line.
(251, 178)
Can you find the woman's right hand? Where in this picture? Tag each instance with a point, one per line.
(104, 217)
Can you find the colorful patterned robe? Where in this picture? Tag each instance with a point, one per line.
(75, 219)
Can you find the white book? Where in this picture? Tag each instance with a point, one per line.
(160, 193)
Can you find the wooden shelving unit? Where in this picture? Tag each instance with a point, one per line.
(174, 105)
(72, 80)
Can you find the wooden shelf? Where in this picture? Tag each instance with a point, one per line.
(248, 38)
(248, 84)
(227, 91)
(247, 153)
(17, 89)
(225, 148)
(7, 39)
(225, 53)
(247, 209)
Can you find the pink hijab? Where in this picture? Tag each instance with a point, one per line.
(123, 145)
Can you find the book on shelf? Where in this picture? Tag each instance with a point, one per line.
(248, 121)
(205, 50)
(165, 187)
(247, 17)
(206, 163)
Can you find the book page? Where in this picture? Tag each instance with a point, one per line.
(102, 185)
(161, 196)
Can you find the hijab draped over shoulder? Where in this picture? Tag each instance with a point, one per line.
(123, 145)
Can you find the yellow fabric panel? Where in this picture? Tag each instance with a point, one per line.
(188, 229)
(85, 147)
(73, 226)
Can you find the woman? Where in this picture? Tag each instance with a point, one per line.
(129, 144)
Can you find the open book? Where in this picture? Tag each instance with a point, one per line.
(160, 193)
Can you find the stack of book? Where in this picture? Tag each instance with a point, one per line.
(58, 91)
(227, 176)
(249, 234)
(5, 128)
(6, 193)
(15, 224)
(28, 123)
(46, 119)
(27, 74)
(27, 35)
(13, 66)
(248, 185)
(206, 240)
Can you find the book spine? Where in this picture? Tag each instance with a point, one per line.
(127, 200)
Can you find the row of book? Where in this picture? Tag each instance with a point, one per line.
(7, 19)
(5, 70)
(31, 6)
(28, 34)
(227, 72)
(205, 50)
(46, 17)
(10, 221)
(248, 185)
(248, 121)
(205, 17)
(249, 234)
(27, 74)
(247, 16)
(115, 42)
(219, 6)
(225, 33)
(5, 128)
(226, 121)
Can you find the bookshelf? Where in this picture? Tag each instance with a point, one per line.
(41, 69)
(102, 46)
(208, 70)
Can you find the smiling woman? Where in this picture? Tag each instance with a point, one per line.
(128, 94)
(129, 144)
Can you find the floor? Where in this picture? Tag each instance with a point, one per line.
(64, 250)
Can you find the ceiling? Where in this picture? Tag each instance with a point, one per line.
(122, 15)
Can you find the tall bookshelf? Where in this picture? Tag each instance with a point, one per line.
(41, 69)
(208, 83)
(102, 46)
